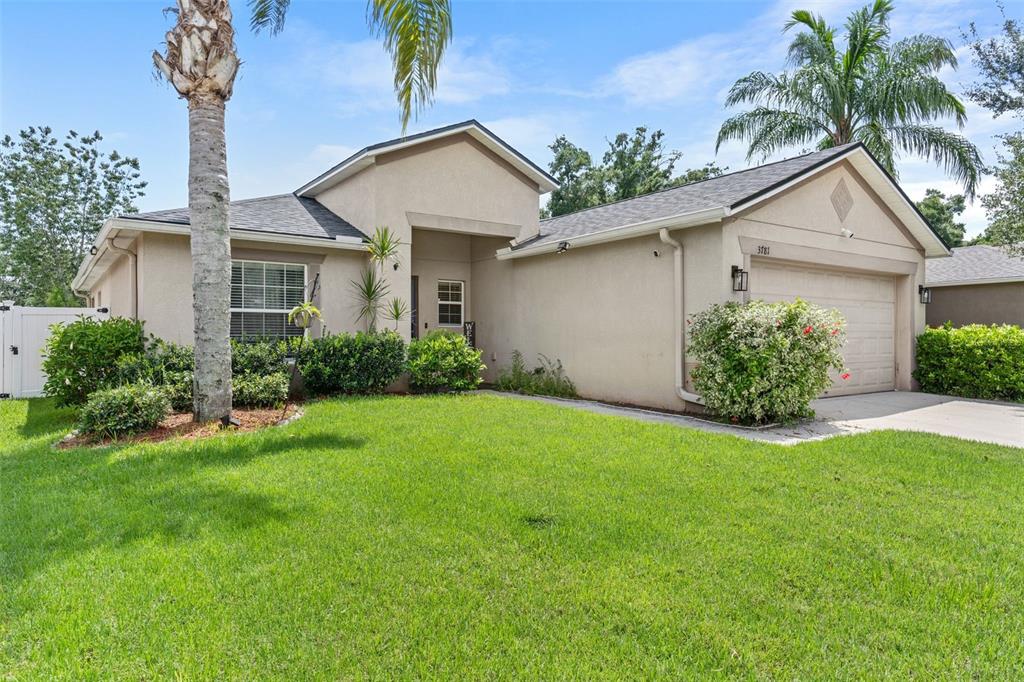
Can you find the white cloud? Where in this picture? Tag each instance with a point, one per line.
(360, 72)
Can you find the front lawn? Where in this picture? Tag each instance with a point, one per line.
(482, 536)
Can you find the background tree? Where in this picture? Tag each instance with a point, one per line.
(1000, 60)
(201, 63)
(886, 96)
(634, 164)
(1004, 206)
(941, 213)
(54, 198)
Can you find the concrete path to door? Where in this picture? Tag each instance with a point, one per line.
(990, 422)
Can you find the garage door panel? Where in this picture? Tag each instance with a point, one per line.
(868, 302)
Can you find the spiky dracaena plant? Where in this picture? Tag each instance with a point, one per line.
(886, 96)
(201, 63)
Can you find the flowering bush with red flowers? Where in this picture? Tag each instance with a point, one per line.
(765, 362)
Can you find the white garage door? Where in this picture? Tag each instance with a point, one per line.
(867, 301)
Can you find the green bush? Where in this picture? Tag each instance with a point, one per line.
(975, 361)
(81, 357)
(764, 362)
(352, 363)
(260, 390)
(548, 378)
(443, 361)
(163, 364)
(258, 357)
(122, 411)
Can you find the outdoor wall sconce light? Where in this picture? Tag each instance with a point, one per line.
(739, 278)
(92, 251)
(924, 293)
(562, 247)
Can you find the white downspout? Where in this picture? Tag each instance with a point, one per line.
(677, 309)
(134, 274)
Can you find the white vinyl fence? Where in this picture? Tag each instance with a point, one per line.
(23, 334)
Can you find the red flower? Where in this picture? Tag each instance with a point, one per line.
(844, 376)
(834, 332)
(808, 329)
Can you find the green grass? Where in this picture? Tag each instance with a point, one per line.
(482, 536)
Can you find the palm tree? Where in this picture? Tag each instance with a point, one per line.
(886, 96)
(201, 63)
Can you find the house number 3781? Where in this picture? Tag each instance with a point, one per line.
(763, 250)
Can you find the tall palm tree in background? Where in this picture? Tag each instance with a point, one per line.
(200, 61)
(886, 96)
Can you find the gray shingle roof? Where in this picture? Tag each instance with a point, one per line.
(724, 191)
(284, 214)
(972, 263)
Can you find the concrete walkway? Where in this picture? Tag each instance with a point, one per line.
(990, 422)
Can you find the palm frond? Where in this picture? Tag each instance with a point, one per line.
(267, 14)
(923, 52)
(370, 290)
(769, 130)
(955, 153)
(416, 34)
(814, 46)
(874, 136)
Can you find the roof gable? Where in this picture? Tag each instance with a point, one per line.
(731, 193)
(367, 157)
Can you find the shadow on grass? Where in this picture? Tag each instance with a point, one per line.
(59, 504)
(43, 418)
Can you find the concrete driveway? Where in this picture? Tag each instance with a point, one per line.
(981, 420)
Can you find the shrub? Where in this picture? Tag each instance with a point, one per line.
(352, 363)
(122, 411)
(975, 361)
(260, 390)
(763, 362)
(177, 387)
(548, 378)
(258, 357)
(81, 357)
(159, 360)
(444, 362)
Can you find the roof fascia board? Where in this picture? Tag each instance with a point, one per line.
(680, 221)
(971, 282)
(113, 226)
(364, 158)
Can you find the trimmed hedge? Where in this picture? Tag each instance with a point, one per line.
(443, 361)
(123, 411)
(352, 363)
(81, 357)
(975, 361)
(260, 390)
(763, 362)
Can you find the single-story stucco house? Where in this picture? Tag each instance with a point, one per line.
(977, 285)
(605, 290)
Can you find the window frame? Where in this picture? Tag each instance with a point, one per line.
(232, 310)
(461, 302)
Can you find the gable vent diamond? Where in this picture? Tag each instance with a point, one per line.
(842, 200)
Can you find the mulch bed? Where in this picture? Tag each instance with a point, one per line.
(180, 425)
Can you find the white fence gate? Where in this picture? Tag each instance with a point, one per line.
(23, 334)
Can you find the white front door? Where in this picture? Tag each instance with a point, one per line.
(867, 301)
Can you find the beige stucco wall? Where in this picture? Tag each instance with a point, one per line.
(455, 177)
(977, 304)
(605, 311)
(165, 282)
(113, 289)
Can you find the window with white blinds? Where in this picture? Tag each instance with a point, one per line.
(262, 295)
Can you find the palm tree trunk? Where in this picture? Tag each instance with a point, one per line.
(208, 196)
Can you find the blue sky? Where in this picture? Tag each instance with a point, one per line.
(529, 70)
